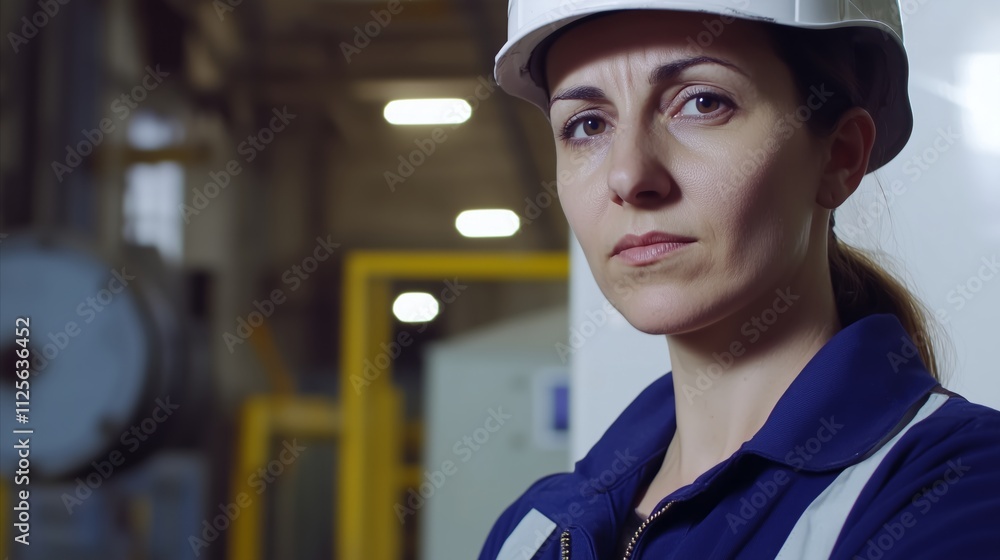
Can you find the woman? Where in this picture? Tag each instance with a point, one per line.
(701, 157)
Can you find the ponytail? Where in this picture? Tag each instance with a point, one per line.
(861, 287)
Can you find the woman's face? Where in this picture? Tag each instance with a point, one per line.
(696, 149)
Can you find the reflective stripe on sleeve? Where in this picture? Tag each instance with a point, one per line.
(529, 536)
(817, 530)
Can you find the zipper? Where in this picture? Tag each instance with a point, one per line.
(564, 546)
(641, 529)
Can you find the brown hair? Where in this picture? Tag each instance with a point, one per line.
(836, 59)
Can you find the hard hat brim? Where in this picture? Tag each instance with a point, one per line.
(889, 102)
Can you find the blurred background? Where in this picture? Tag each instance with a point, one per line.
(274, 312)
(188, 182)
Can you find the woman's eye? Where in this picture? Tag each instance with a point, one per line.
(587, 126)
(701, 104)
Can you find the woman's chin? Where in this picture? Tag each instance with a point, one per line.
(663, 316)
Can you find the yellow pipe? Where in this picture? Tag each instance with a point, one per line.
(245, 535)
(352, 514)
(399, 265)
(386, 532)
(306, 417)
(262, 417)
(262, 339)
(379, 530)
(369, 452)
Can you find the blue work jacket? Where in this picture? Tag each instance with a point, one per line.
(864, 456)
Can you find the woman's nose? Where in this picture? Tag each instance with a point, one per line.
(637, 175)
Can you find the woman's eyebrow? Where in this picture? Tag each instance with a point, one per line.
(670, 70)
(662, 73)
(578, 92)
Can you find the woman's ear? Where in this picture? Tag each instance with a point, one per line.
(850, 146)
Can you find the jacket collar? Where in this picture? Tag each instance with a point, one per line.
(849, 396)
(847, 399)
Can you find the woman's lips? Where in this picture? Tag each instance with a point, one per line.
(638, 250)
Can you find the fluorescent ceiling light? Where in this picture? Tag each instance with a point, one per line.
(415, 307)
(427, 111)
(487, 223)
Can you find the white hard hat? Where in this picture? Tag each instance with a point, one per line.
(877, 23)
